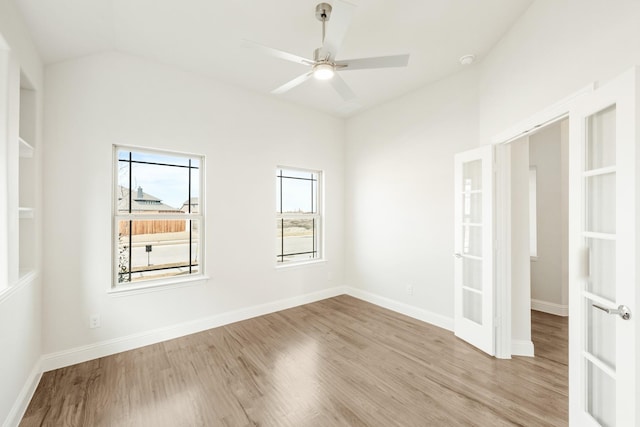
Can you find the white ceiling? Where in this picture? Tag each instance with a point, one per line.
(205, 36)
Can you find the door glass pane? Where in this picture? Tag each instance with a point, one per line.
(472, 306)
(601, 334)
(472, 207)
(601, 203)
(472, 240)
(472, 175)
(472, 273)
(601, 395)
(601, 139)
(602, 268)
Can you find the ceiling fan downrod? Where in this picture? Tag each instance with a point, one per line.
(323, 13)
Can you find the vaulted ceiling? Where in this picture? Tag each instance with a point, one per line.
(205, 36)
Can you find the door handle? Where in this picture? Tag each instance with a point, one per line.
(458, 255)
(622, 310)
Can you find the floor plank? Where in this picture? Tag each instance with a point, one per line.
(336, 362)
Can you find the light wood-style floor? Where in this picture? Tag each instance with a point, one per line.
(337, 362)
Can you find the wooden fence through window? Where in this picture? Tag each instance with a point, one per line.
(155, 226)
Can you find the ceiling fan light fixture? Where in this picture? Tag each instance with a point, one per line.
(323, 71)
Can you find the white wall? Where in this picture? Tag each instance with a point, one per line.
(548, 281)
(556, 48)
(399, 197)
(112, 98)
(20, 305)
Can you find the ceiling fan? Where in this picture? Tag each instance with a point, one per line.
(324, 65)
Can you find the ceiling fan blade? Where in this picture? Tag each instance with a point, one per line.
(337, 27)
(276, 53)
(292, 83)
(376, 62)
(342, 88)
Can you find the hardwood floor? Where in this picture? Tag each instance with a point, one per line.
(337, 362)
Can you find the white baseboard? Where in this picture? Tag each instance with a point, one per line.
(402, 308)
(105, 348)
(549, 307)
(22, 401)
(521, 348)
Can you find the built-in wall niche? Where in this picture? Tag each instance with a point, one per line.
(27, 179)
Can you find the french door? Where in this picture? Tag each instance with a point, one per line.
(473, 278)
(604, 257)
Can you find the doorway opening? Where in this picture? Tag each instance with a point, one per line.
(539, 232)
(549, 240)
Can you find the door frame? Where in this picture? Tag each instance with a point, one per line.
(502, 211)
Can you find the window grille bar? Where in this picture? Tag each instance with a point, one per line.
(189, 210)
(157, 164)
(280, 190)
(295, 253)
(158, 268)
(130, 221)
(296, 177)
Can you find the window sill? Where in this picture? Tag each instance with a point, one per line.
(156, 286)
(301, 264)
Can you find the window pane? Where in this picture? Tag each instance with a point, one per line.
(158, 183)
(158, 189)
(153, 249)
(297, 192)
(296, 239)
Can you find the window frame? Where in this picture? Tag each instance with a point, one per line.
(317, 216)
(116, 216)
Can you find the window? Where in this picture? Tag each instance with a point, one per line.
(158, 220)
(298, 210)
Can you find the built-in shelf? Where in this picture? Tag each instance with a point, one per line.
(25, 213)
(26, 149)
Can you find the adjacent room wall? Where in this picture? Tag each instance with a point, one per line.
(520, 265)
(548, 278)
(20, 306)
(112, 98)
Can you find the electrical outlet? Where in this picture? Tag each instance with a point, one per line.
(94, 321)
(410, 289)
